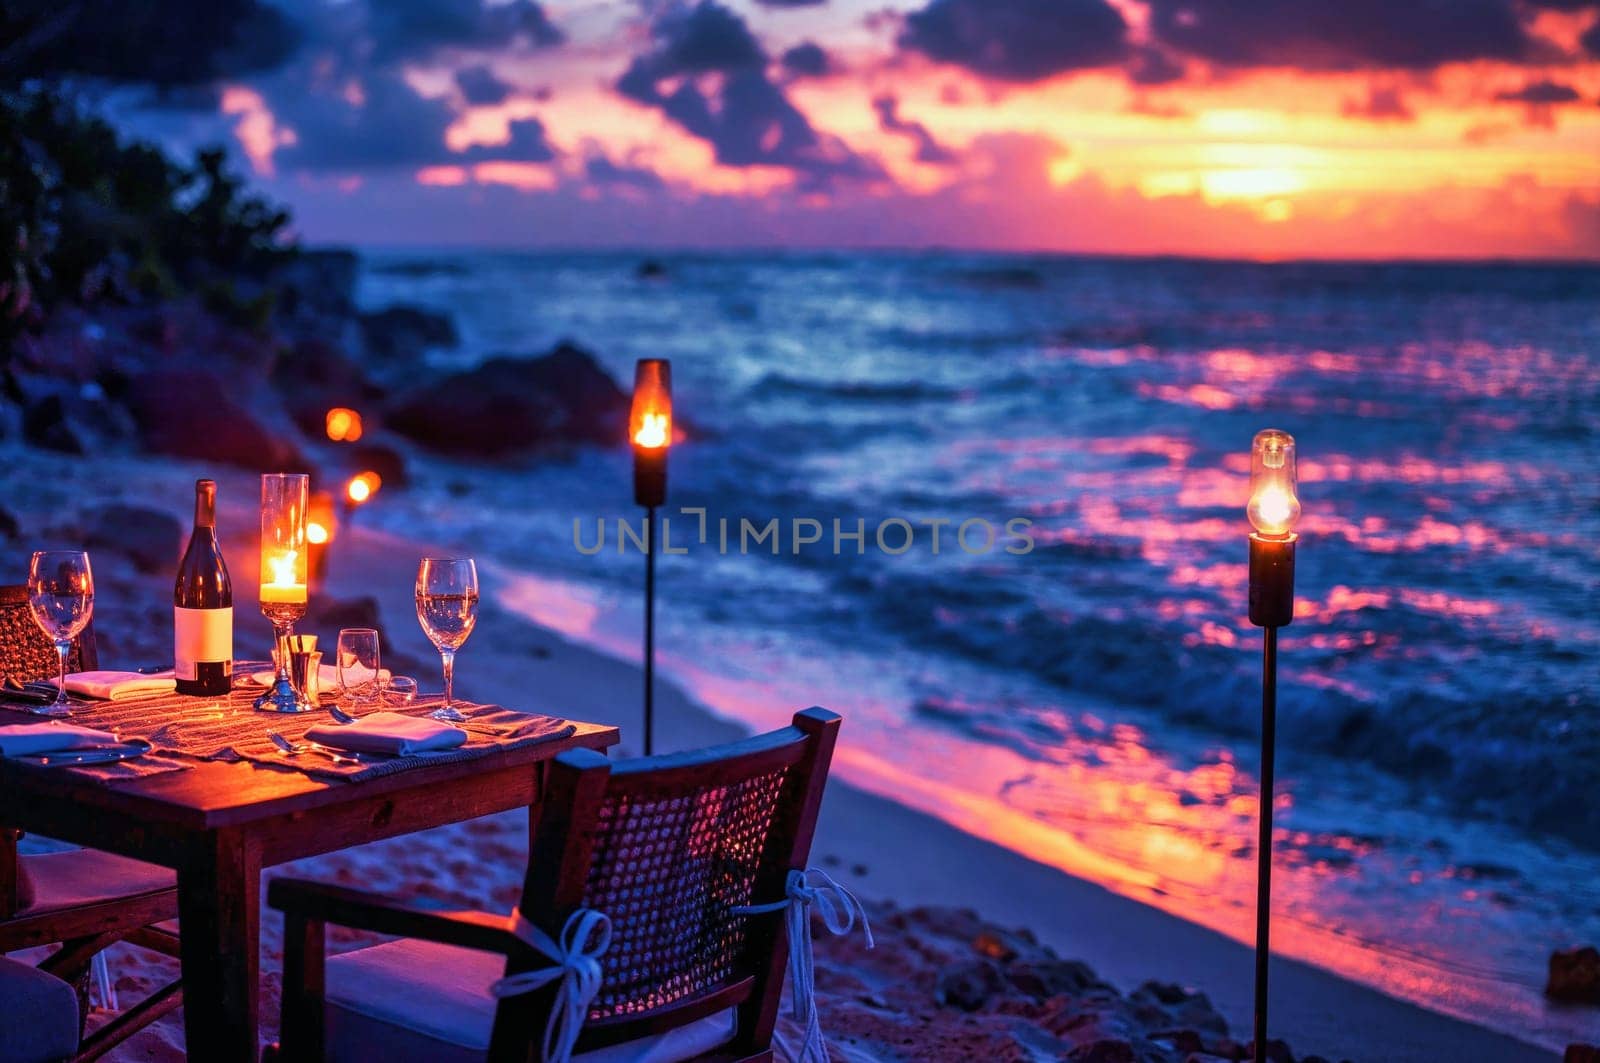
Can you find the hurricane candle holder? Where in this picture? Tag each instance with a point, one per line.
(284, 498)
(1273, 511)
(650, 431)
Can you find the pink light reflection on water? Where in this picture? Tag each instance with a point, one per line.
(1106, 806)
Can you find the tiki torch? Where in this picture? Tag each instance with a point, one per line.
(321, 524)
(1273, 510)
(650, 429)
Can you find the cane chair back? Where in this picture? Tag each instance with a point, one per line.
(26, 653)
(667, 847)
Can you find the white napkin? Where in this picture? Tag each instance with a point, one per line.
(327, 677)
(28, 739)
(389, 732)
(119, 686)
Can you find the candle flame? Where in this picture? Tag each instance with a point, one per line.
(282, 567)
(316, 533)
(653, 432)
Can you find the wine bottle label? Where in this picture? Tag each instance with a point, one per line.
(202, 636)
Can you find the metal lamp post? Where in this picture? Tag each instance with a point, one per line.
(650, 431)
(1273, 511)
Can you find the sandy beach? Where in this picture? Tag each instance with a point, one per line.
(882, 850)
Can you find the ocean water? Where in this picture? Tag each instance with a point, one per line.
(1094, 701)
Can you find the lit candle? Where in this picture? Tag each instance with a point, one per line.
(284, 499)
(285, 587)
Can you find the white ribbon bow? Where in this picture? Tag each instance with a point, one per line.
(838, 908)
(584, 939)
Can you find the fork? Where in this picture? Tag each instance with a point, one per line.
(294, 749)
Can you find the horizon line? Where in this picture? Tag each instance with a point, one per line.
(792, 251)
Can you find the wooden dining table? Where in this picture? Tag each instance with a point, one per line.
(218, 824)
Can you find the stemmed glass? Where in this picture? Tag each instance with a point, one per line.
(61, 595)
(447, 608)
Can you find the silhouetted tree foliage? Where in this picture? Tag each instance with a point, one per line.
(86, 216)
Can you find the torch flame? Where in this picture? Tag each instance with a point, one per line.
(653, 433)
(343, 424)
(362, 486)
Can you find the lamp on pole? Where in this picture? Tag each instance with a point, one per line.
(1273, 510)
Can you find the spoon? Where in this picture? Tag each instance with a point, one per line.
(293, 749)
(339, 715)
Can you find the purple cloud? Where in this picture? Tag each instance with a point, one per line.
(1382, 104)
(1541, 93)
(1018, 40)
(527, 143)
(480, 85)
(143, 43)
(415, 29)
(1349, 35)
(1152, 66)
(929, 150)
(388, 125)
(600, 170)
(741, 113)
(806, 59)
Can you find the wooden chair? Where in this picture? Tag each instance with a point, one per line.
(82, 899)
(665, 846)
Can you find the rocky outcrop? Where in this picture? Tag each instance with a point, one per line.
(1574, 976)
(509, 406)
(187, 413)
(152, 539)
(318, 284)
(404, 333)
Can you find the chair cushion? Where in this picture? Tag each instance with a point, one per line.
(415, 1000)
(84, 876)
(39, 1022)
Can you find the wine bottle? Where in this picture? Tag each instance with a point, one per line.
(202, 606)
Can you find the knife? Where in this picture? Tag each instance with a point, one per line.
(133, 747)
(24, 696)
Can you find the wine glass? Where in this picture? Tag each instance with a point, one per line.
(447, 608)
(358, 665)
(61, 595)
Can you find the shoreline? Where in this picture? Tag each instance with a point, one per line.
(914, 858)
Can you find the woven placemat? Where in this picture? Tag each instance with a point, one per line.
(185, 730)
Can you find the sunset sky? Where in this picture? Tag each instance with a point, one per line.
(1295, 128)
